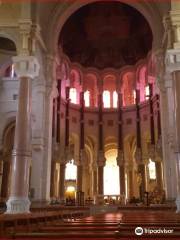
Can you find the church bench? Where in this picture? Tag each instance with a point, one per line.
(27, 221)
(86, 224)
(78, 228)
(70, 235)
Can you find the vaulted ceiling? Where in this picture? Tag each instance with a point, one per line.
(106, 34)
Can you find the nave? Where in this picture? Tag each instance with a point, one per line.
(75, 224)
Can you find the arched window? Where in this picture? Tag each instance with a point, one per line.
(152, 169)
(147, 92)
(134, 96)
(71, 171)
(115, 99)
(111, 174)
(73, 95)
(106, 99)
(87, 98)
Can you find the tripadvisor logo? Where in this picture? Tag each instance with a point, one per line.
(139, 231)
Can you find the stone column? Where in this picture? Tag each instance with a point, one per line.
(62, 182)
(122, 179)
(159, 174)
(82, 147)
(138, 154)
(142, 171)
(100, 180)
(95, 182)
(67, 119)
(120, 157)
(173, 67)
(121, 164)
(176, 83)
(130, 182)
(79, 178)
(58, 111)
(167, 123)
(52, 186)
(42, 141)
(26, 68)
(101, 158)
(158, 162)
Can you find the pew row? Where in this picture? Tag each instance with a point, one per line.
(13, 223)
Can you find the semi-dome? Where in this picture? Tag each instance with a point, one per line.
(106, 34)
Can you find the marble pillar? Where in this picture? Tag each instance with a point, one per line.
(172, 69)
(26, 68)
(122, 179)
(121, 164)
(142, 172)
(52, 186)
(130, 183)
(167, 123)
(94, 182)
(176, 83)
(79, 178)
(159, 180)
(43, 95)
(100, 180)
(62, 182)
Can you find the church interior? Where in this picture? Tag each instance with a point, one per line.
(89, 119)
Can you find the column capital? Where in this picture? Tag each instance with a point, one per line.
(175, 21)
(26, 66)
(172, 60)
(168, 80)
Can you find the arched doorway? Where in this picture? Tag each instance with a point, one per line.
(111, 174)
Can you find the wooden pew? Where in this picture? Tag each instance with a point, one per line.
(12, 223)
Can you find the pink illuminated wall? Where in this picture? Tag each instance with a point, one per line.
(110, 82)
(109, 87)
(75, 86)
(90, 85)
(142, 82)
(128, 87)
